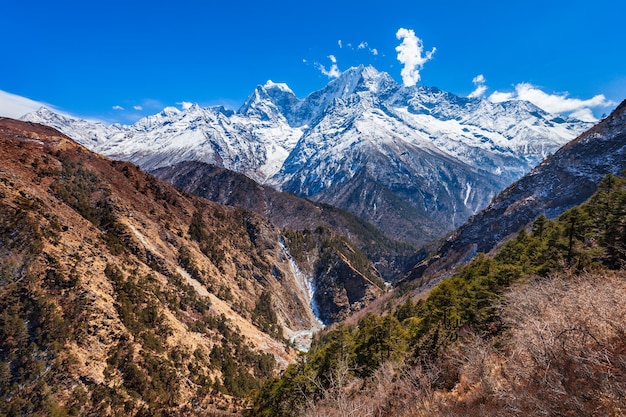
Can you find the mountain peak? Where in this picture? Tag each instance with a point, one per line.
(361, 79)
(43, 110)
(46, 114)
(368, 70)
(269, 85)
(188, 106)
(270, 101)
(367, 76)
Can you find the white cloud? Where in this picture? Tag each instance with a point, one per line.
(586, 115)
(498, 96)
(333, 71)
(479, 79)
(478, 92)
(481, 88)
(365, 45)
(555, 103)
(410, 55)
(15, 106)
(340, 44)
(116, 107)
(186, 105)
(558, 103)
(137, 107)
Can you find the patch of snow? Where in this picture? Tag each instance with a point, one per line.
(467, 193)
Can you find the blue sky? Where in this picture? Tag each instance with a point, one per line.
(119, 60)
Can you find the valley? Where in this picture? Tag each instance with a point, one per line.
(223, 282)
(312, 209)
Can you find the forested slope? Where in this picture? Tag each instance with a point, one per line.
(537, 329)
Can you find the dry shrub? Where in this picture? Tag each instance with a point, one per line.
(339, 398)
(481, 388)
(564, 354)
(567, 351)
(393, 390)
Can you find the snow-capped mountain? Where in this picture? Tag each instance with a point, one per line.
(565, 179)
(415, 161)
(254, 144)
(445, 156)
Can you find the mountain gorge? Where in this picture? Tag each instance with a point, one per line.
(390, 258)
(121, 295)
(414, 161)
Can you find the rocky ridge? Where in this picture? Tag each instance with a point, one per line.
(287, 211)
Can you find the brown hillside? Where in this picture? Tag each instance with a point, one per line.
(121, 295)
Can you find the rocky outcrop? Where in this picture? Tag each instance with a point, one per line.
(340, 289)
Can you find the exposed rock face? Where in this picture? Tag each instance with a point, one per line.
(564, 180)
(340, 289)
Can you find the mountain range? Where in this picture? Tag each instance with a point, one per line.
(563, 180)
(416, 162)
(121, 294)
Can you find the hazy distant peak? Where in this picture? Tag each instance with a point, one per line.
(12, 105)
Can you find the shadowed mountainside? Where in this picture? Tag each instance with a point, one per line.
(391, 259)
